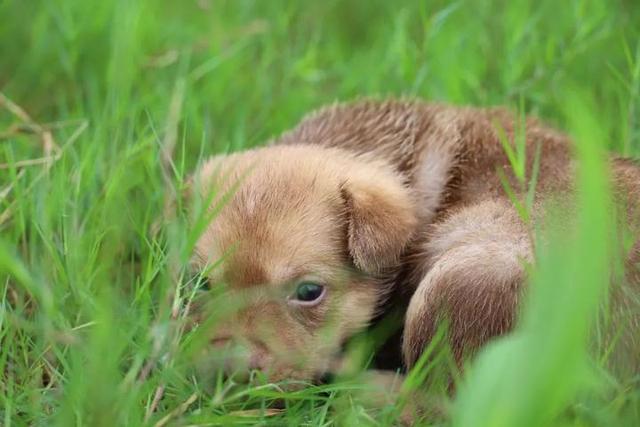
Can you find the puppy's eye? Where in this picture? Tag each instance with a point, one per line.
(200, 282)
(308, 292)
(203, 283)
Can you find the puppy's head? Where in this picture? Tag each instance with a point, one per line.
(301, 238)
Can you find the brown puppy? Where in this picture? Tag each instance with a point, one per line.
(361, 200)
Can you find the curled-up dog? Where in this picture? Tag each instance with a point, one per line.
(375, 204)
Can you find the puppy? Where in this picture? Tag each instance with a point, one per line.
(369, 203)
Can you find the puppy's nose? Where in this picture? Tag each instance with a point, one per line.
(236, 359)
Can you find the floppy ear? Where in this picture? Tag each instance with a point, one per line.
(380, 219)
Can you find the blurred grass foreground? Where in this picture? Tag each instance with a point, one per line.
(93, 92)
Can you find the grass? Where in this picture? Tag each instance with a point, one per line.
(89, 319)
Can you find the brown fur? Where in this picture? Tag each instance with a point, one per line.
(373, 195)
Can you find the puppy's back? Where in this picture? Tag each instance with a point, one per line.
(420, 139)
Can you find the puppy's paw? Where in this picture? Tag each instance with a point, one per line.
(384, 396)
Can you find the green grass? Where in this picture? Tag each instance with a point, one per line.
(87, 302)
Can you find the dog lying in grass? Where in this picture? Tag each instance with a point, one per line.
(370, 204)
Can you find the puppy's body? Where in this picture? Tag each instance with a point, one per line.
(396, 195)
(470, 245)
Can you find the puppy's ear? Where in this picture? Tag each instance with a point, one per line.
(381, 219)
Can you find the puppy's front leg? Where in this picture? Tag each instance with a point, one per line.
(378, 390)
(473, 281)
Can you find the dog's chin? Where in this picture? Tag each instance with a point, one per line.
(287, 378)
(294, 378)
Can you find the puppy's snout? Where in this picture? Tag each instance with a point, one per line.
(236, 358)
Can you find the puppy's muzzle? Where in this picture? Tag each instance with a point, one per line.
(236, 358)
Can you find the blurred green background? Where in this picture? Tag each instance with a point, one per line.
(87, 288)
(253, 67)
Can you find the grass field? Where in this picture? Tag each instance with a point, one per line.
(96, 93)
